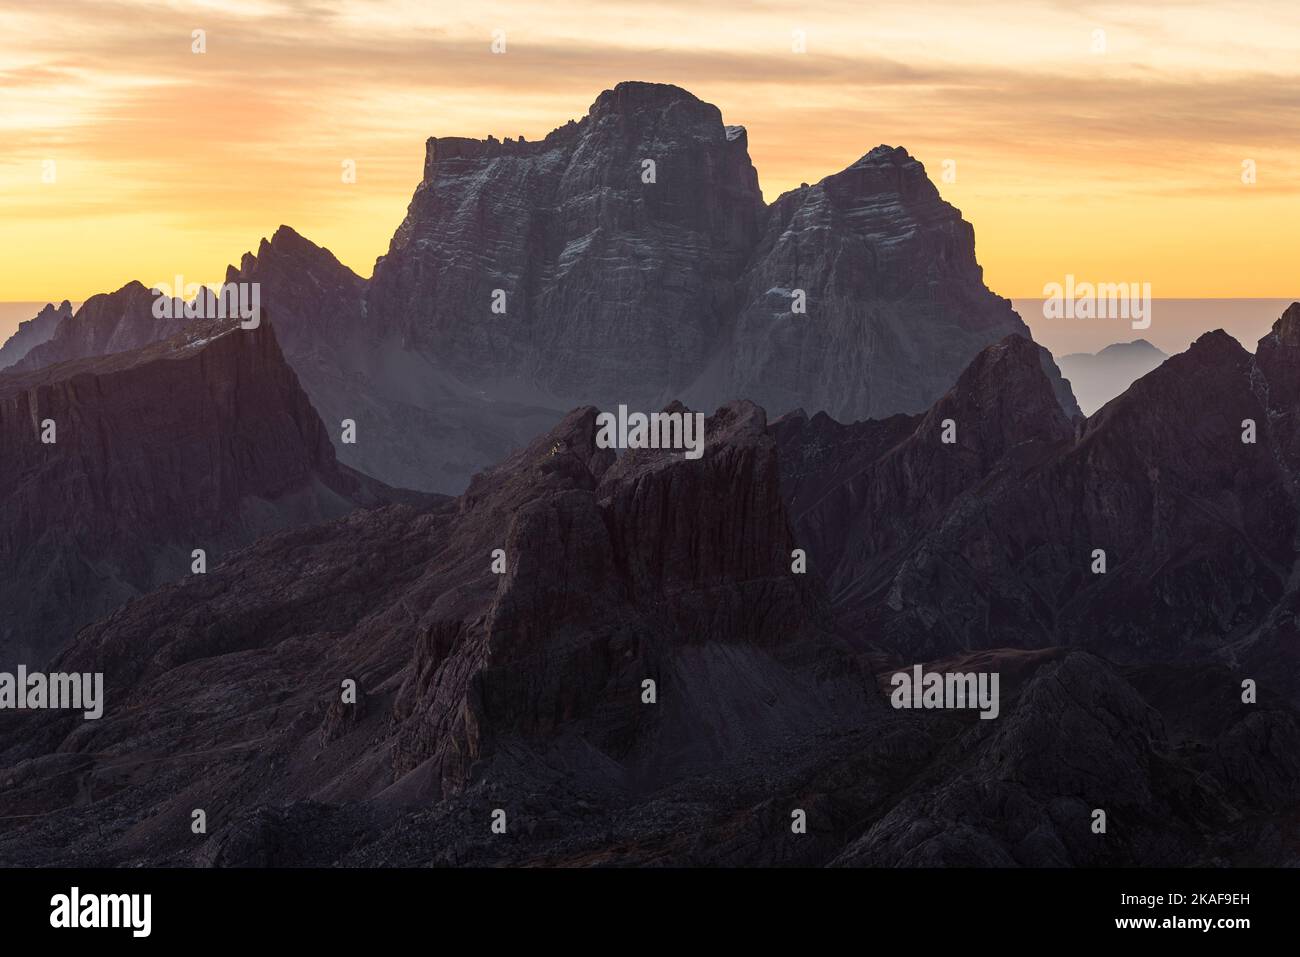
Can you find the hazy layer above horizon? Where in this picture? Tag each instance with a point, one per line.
(14, 313)
(1175, 324)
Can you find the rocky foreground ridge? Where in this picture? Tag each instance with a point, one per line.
(523, 688)
(113, 469)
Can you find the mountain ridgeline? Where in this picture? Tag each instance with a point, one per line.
(628, 257)
(643, 657)
(651, 677)
(114, 469)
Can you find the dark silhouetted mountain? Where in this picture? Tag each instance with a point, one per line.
(33, 332)
(1098, 378)
(204, 440)
(651, 567)
(525, 691)
(990, 542)
(623, 652)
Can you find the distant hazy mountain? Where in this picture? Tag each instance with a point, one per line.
(1096, 378)
(1175, 324)
(33, 332)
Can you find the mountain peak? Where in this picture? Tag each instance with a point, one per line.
(885, 153)
(1136, 346)
(1216, 342)
(288, 236)
(1008, 394)
(632, 94)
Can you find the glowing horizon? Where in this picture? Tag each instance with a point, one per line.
(1123, 165)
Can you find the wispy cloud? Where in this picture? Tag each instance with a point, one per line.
(167, 159)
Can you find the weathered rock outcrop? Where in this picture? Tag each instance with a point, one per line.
(614, 287)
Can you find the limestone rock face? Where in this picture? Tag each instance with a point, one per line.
(622, 290)
(895, 301)
(613, 286)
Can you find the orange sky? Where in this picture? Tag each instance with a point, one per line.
(1122, 164)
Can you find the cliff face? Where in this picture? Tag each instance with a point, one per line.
(33, 332)
(614, 286)
(204, 440)
(622, 290)
(895, 302)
